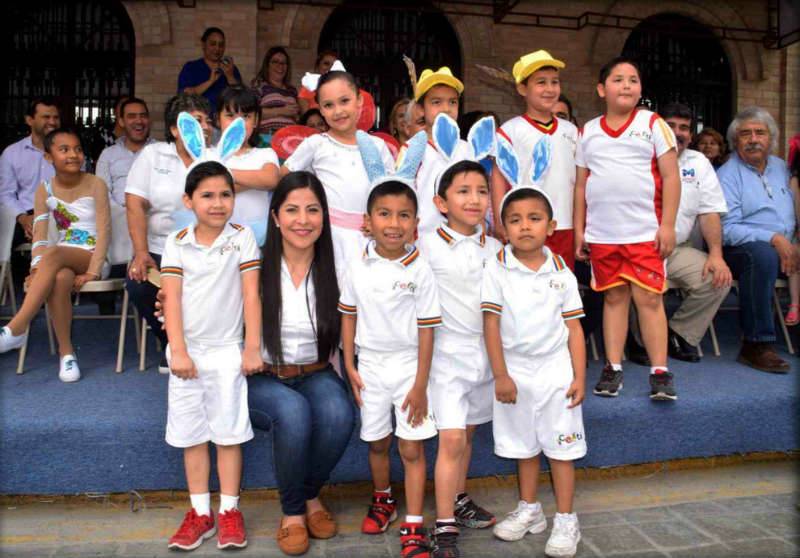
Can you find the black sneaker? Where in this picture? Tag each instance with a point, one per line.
(443, 541)
(471, 515)
(680, 349)
(662, 387)
(610, 383)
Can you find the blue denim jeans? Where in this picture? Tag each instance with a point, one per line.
(311, 419)
(755, 265)
(143, 297)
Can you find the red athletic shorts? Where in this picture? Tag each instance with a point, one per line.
(618, 264)
(563, 244)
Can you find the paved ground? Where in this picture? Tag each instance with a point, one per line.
(746, 510)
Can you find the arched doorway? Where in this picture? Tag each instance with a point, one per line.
(371, 43)
(681, 60)
(81, 53)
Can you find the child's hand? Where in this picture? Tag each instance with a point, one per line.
(252, 363)
(499, 230)
(357, 384)
(505, 390)
(665, 241)
(159, 309)
(181, 364)
(417, 404)
(581, 248)
(576, 392)
(81, 280)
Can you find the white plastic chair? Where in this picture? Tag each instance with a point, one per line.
(7, 225)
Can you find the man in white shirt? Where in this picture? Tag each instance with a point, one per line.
(704, 278)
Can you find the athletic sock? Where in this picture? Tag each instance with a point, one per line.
(201, 503)
(616, 367)
(658, 369)
(227, 503)
(414, 519)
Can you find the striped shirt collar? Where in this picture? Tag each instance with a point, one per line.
(186, 236)
(452, 237)
(370, 253)
(552, 263)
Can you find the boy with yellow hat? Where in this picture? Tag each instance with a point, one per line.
(436, 92)
(537, 77)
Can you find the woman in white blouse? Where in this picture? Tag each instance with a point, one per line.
(300, 397)
(153, 192)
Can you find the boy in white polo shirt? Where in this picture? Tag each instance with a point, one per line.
(536, 348)
(389, 305)
(209, 275)
(461, 385)
(538, 81)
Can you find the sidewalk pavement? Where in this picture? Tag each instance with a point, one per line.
(745, 510)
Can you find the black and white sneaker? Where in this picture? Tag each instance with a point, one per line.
(443, 541)
(471, 515)
(662, 386)
(610, 383)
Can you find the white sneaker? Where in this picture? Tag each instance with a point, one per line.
(10, 341)
(525, 519)
(68, 371)
(564, 537)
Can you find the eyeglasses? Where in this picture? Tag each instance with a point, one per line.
(278, 63)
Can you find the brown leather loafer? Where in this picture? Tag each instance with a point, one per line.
(762, 356)
(321, 525)
(293, 540)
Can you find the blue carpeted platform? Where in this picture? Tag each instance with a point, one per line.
(106, 432)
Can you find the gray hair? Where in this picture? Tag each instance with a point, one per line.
(758, 114)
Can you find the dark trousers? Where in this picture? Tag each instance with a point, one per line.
(756, 266)
(311, 419)
(143, 297)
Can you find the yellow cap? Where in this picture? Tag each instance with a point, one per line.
(529, 63)
(442, 76)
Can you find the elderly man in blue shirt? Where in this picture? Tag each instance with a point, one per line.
(758, 231)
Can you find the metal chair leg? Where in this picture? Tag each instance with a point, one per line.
(123, 324)
(714, 342)
(143, 346)
(779, 315)
(23, 351)
(593, 347)
(50, 336)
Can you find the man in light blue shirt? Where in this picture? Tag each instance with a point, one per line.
(758, 231)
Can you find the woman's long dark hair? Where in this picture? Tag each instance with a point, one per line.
(326, 323)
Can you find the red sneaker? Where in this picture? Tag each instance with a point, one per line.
(414, 541)
(231, 532)
(193, 531)
(380, 514)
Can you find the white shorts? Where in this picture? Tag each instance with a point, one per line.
(213, 406)
(540, 420)
(388, 377)
(461, 384)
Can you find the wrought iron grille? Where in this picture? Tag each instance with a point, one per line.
(371, 44)
(81, 53)
(683, 61)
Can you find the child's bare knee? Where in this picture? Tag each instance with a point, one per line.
(452, 443)
(380, 447)
(410, 450)
(648, 300)
(617, 295)
(65, 278)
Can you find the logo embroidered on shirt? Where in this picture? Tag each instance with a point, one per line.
(687, 172)
(410, 286)
(557, 285)
(641, 134)
(569, 438)
(229, 248)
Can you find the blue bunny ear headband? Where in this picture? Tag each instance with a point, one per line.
(481, 139)
(508, 163)
(373, 162)
(191, 133)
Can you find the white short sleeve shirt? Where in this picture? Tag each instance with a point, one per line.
(533, 305)
(340, 169)
(623, 191)
(458, 263)
(159, 176)
(252, 205)
(392, 299)
(700, 192)
(211, 303)
(559, 181)
(432, 166)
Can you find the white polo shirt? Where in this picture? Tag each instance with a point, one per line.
(298, 305)
(392, 299)
(533, 305)
(559, 181)
(700, 193)
(340, 169)
(252, 205)
(159, 176)
(623, 191)
(211, 300)
(432, 166)
(458, 262)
